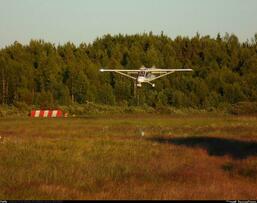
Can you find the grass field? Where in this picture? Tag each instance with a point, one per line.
(150, 156)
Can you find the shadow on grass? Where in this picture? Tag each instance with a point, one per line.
(214, 146)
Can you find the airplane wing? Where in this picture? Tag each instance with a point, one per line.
(159, 70)
(120, 70)
(123, 72)
(155, 70)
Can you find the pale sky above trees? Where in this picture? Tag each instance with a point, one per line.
(59, 21)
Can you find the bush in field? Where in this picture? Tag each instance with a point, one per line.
(248, 108)
(11, 111)
(90, 108)
(22, 106)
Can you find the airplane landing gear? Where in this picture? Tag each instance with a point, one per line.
(139, 85)
(152, 84)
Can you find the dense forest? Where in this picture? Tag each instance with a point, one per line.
(44, 74)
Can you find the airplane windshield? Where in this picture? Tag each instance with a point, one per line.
(141, 73)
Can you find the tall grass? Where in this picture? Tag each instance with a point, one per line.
(106, 157)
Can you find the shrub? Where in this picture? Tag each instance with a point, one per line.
(244, 108)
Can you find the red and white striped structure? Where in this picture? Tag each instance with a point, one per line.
(46, 113)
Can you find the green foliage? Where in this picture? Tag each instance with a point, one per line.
(225, 71)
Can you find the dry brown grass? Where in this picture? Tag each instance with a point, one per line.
(179, 157)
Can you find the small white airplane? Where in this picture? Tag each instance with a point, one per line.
(145, 75)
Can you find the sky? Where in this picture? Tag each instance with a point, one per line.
(77, 21)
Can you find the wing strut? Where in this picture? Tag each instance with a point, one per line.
(160, 76)
(124, 74)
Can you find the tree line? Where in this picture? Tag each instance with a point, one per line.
(45, 74)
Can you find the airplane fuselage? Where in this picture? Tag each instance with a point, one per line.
(144, 77)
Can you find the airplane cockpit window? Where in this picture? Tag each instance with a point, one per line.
(141, 73)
